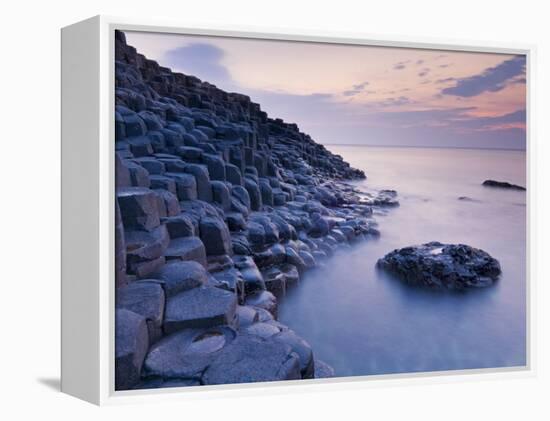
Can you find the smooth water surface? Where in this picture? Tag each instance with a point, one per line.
(362, 321)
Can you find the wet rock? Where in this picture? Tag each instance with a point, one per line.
(201, 307)
(250, 358)
(293, 258)
(301, 348)
(502, 185)
(275, 281)
(442, 266)
(131, 344)
(263, 299)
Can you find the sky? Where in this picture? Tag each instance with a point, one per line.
(362, 95)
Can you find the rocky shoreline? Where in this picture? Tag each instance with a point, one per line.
(220, 209)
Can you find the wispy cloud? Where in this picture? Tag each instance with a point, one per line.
(424, 72)
(400, 65)
(356, 89)
(492, 79)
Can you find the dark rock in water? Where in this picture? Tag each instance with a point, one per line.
(201, 307)
(502, 185)
(467, 199)
(131, 344)
(437, 265)
(249, 358)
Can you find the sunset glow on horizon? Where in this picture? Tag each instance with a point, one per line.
(363, 95)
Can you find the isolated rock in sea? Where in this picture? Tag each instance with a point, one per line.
(442, 266)
(502, 185)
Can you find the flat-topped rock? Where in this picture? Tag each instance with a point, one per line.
(250, 358)
(187, 353)
(146, 299)
(200, 307)
(177, 277)
(186, 248)
(138, 208)
(442, 266)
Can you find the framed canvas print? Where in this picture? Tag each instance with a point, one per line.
(245, 209)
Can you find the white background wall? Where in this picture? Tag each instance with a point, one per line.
(29, 232)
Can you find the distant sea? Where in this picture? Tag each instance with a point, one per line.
(362, 321)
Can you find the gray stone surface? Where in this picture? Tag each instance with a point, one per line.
(200, 307)
(187, 249)
(187, 353)
(250, 358)
(131, 344)
(146, 299)
(215, 236)
(138, 207)
(177, 277)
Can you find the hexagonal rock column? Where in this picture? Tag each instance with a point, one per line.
(187, 353)
(146, 299)
(201, 307)
(186, 249)
(250, 358)
(215, 236)
(138, 208)
(177, 277)
(131, 344)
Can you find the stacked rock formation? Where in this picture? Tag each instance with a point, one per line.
(220, 209)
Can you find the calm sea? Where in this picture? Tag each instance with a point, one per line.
(362, 322)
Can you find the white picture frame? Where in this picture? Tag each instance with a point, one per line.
(88, 212)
